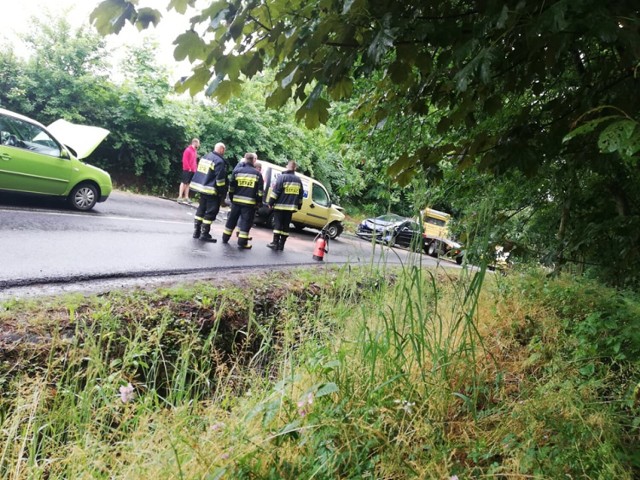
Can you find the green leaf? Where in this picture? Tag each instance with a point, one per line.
(291, 428)
(381, 43)
(342, 89)
(332, 365)
(196, 82)
(588, 127)
(180, 6)
(347, 6)
(217, 474)
(278, 97)
(147, 16)
(189, 44)
(588, 370)
(327, 389)
(314, 112)
(399, 72)
(111, 15)
(398, 166)
(254, 65)
(621, 137)
(227, 89)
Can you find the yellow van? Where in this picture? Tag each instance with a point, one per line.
(434, 223)
(317, 210)
(437, 241)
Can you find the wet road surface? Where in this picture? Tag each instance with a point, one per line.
(133, 236)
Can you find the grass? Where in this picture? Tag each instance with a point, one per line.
(350, 373)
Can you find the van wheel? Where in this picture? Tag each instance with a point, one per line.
(299, 227)
(333, 230)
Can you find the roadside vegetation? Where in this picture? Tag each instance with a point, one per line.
(330, 373)
(518, 118)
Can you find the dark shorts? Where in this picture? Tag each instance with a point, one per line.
(187, 176)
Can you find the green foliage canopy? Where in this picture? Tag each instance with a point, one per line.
(546, 64)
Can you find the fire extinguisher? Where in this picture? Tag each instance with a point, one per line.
(321, 246)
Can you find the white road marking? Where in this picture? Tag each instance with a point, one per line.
(109, 217)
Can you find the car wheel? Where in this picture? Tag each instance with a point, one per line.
(333, 230)
(387, 239)
(298, 227)
(83, 197)
(432, 251)
(271, 221)
(459, 259)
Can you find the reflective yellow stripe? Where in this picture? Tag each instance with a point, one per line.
(226, 231)
(288, 208)
(281, 232)
(202, 189)
(244, 200)
(207, 222)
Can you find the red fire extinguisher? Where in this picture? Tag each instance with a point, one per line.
(321, 246)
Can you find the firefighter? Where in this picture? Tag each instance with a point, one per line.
(245, 193)
(210, 180)
(285, 198)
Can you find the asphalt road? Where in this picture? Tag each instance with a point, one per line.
(134, 237)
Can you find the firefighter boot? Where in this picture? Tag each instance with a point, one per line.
(244, 244)
(196, 228)
(205, 236)
(283, 238)
(276, 241)
(225, 237)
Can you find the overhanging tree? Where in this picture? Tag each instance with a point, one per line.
(502, 82)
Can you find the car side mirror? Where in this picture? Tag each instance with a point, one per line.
(64, 154)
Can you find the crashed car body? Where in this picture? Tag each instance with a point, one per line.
(377, 225)
(47, 160)
(392, 229)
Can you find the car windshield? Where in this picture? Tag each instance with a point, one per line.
(389, 217)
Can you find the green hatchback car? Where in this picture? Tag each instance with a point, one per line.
(46, 160)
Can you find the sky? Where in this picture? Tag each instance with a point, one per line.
(15, 16)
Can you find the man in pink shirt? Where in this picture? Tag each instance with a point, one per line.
(189, 165)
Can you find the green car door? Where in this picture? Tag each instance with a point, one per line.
(31, 160)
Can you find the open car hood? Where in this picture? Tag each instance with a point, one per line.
(82, 139)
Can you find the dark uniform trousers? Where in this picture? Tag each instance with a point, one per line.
(282, 222)
(208, 208)
(241, 215)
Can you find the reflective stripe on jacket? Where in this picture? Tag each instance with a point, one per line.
(246, 186)
(287, 193)
(210, 177)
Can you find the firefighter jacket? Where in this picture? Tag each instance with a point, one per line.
(211, 176)
(246, 185)
(287, 193)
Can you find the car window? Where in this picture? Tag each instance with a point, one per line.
(435, 221)
(319, 195)
(20, 134)
(390, 217)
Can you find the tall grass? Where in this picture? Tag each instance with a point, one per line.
(347, 373)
